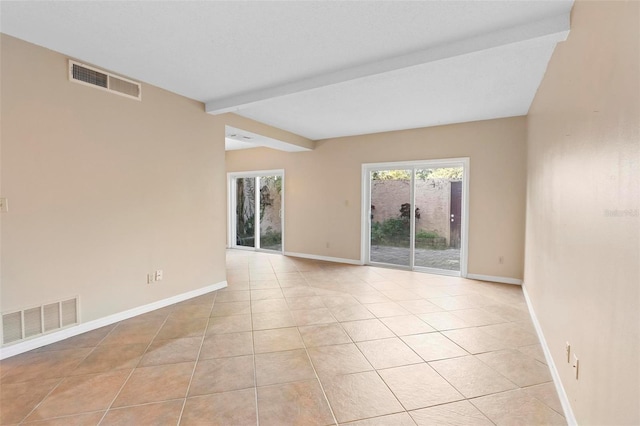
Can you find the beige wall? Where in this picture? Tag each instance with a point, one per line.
(582, 257)
(104, 189)
(322, 187)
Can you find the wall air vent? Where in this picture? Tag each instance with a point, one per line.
(32, 322)
(84, 74)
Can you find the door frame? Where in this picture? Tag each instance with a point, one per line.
(365, 231)
(231, 214)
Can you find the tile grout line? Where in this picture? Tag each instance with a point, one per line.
(195, 364)
(133, 369)
(253, 350)
(65, 377)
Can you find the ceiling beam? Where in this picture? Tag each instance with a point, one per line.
(552, 29)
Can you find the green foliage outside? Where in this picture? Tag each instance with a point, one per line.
(395, 233)
(271, 239)
(452, 173)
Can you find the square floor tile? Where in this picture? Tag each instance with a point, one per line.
(547, 394)
(474, 340)
(270, 293)
(399, 419)
(111, 357)
(443, 320)
(516, 407)
(419, 386)
(338, 359)
(360, 396)
(236, 408)
(81, 394)
(419, 306)
(154, 384)
(433, 346)
(351, 313)
(534, 351)
(232, 296)
(269, 305)
(162, 413)
(298, 291)
(298, 403)
(268, 320)
(191, 311)
(385, 353)
(175, 328)
(456, 413)
(471, 377)
(132, 332)
(283, 367)
(172, 351)
(299, 303)
(227, 345)
(313, 316)
(510, 334)
(370, 329)
(323, 335)
(278, 339)
(407, 324)
(18, 399)
(387, 309)
(517, 367)
(229, 324)
(223, 309)
(477, 317)
(222, 375)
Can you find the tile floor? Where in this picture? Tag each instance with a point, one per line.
(299, 342)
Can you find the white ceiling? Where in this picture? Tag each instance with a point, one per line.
(316, 68)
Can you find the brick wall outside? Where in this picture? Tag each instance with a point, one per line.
(432, 198)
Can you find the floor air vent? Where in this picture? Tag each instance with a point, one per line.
(103, 80)
(20, 325)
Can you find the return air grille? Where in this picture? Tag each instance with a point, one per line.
(31, 322)
(103, 80)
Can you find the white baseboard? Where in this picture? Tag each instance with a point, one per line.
(495, 279)
(47, 339)
(324, 258)
(564, 399)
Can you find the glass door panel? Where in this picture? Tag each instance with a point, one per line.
(438, 200)
(270, 223)
(245, 212)
(390, 217)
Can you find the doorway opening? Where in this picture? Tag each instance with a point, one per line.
(415, 215)
(256, 210)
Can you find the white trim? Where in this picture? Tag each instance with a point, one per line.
(562, 394)
(495, 279)
(324, 258)
(365, 219)
(18, 348)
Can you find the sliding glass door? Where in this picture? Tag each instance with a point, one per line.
(416, 216)
(255, 210)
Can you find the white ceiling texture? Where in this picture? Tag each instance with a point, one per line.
(320, 69)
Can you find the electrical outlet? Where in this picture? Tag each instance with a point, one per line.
(568, 351)
(150, 278)
(4, 205)
(576, 365)
(158, 275)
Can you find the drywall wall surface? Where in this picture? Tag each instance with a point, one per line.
(323, 187)
(583, 227)
(104, 189)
